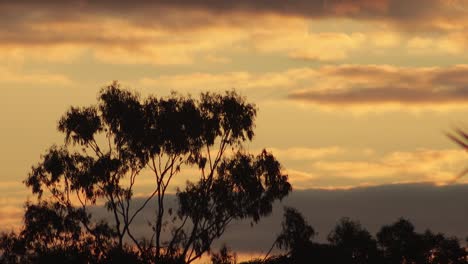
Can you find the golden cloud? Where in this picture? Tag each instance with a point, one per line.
(11, 217)
(136, 43)
(306, 154)
(238, 80)
(14, 76)
(424, 165)
(326, 46)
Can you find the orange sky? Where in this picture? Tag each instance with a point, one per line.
(350, 92)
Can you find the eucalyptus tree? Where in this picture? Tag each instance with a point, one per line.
(110, 145)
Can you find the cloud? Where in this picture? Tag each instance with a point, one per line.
(130, 44)
(11, 76)
(182, 32)
(145, 11)
(422, 204)
(326, 46)
(447, 44)
(383, 84)
(156, 44)
(372, 87)
(306, 154)
(385, 39)
(424, 165)
(373, 206)
(10, 218)
(11, 202)
(242, 80)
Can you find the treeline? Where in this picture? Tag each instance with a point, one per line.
(50, 237)
(349, 242)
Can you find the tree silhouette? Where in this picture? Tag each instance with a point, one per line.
(296, 236)
(354, 243)
(442, 250)
(110, 145)
(296, 233)
(225, 256)
(349, 242)
(400, 243)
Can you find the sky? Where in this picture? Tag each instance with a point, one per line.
(351, 93)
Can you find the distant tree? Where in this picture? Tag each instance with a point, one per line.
(225, 256)
(350, 243)
(110, 145)
(53, 233)
(354, 243)
(442, 250)
(296, 235)
(401, 244)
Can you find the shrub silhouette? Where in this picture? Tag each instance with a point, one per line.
(108, 146)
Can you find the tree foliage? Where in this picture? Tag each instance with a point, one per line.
(110, 145)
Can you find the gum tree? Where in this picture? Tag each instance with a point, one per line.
(108, 146)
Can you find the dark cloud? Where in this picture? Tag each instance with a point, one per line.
(441, 209)
(389, 94)
(306, 8)
(373, 207)
(146, 11)
(357, 84)
(175, 32)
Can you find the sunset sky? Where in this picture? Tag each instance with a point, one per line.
(351, 93)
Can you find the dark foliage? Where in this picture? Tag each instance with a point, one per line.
(350, 243)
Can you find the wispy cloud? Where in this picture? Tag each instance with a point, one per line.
(380, 85)
(15, 76)
(242, 80)
(306, 154)
(424, 165)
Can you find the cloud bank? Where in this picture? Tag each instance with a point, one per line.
(167, 32)
(422, 204)
(143, 10)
